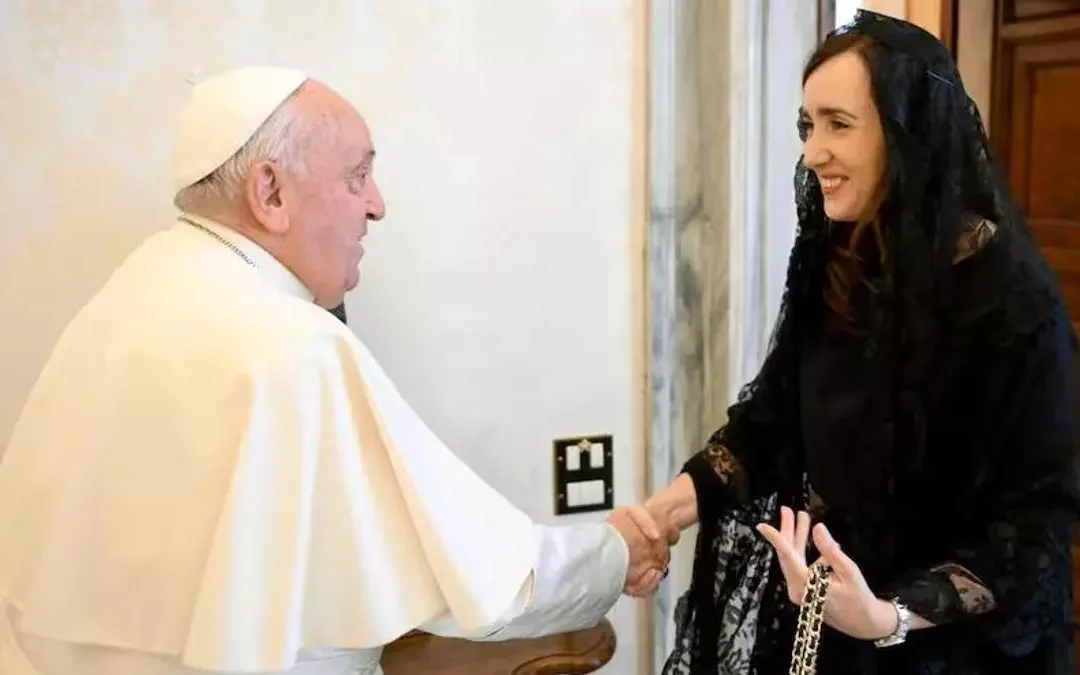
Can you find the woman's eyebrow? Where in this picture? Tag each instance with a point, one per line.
(829, 111)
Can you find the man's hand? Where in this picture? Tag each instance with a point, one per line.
(650, 544)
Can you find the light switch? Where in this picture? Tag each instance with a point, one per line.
(592, 492)
(583, 474)
(573, 459)
(573, 495)
(596, 457)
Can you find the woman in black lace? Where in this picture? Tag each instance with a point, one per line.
(919, 400)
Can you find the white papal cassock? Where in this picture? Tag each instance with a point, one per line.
(213, 474)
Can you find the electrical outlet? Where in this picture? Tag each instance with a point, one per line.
(583, 474)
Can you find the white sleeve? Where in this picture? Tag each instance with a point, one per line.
(579, 574)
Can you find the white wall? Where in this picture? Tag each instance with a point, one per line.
(498, 290)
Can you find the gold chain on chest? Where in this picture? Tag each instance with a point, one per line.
(231, 246)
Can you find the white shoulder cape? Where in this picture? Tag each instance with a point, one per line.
(212, 468)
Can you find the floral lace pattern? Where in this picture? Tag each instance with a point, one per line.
(977, 234)
(744, 560)
(975, 597)
(721, 460)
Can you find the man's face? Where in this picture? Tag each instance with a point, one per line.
(319, 215)
(331, 205)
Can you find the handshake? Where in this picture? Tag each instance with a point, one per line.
(649, 536)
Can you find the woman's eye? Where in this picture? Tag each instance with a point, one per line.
(805, 128)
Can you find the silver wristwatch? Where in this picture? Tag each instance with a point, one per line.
(903, 624)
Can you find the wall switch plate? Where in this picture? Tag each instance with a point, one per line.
(583, 474)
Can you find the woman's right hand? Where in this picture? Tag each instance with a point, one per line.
(675, 504)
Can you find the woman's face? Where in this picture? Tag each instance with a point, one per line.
(843, 139)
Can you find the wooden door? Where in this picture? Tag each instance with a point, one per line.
(1035, 128)
(1036, 125)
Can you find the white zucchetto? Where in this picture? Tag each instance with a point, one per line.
(222, 113)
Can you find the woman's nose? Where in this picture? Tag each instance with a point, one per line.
(815, 154)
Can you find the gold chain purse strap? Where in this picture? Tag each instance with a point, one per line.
(811, 618)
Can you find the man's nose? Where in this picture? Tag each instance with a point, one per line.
(376, 206)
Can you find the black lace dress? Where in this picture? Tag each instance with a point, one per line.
(976, 540)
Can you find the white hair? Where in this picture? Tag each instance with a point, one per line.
(278, 140)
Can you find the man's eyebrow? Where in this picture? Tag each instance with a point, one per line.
(369, 157)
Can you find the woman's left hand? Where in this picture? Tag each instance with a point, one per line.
(851, 607)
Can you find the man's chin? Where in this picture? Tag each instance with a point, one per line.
(331, 300)
(353, 280)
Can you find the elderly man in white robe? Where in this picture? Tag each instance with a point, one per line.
(213, 475)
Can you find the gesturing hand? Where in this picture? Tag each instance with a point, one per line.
(649, 542)
(851, 607)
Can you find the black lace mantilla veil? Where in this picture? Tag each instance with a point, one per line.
(943, 185)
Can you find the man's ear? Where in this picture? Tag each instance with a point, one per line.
(264, 197)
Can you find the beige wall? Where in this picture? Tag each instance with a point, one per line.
(897, 8)
(925, 13)
(497, 293)
(975, 51)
